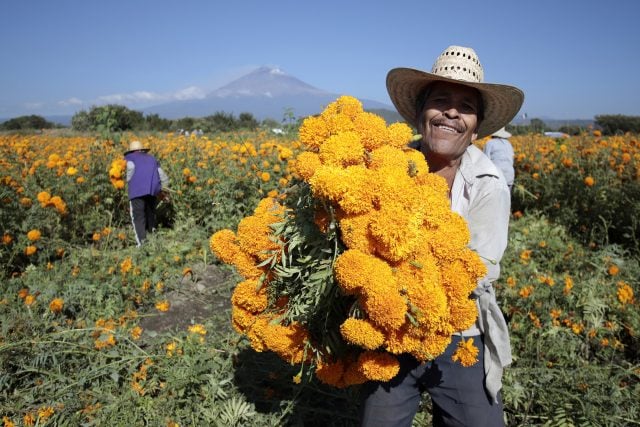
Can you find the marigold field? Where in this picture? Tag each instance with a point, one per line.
(95, 331)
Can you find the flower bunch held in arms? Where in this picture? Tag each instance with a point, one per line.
(358, 261)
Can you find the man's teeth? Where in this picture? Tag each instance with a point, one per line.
(447, 128)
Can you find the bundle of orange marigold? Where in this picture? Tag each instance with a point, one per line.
(358, 261)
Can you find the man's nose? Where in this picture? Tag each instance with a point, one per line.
(451, 112)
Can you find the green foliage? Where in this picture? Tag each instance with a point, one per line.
(616, 124)
(575, 340)
(27, 122)
(534, 126)
(590, 188)
(569, 331)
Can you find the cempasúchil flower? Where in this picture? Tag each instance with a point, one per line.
(359, 260)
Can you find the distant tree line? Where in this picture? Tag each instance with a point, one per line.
(116, 118)
(27, 123)
(611, 124)
(618, 124)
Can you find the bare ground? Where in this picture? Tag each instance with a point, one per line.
(200, 295)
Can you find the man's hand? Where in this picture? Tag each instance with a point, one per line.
(164, 196)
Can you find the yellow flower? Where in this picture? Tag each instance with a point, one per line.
(378, 366)
(126, 265)
(163, 305)
(372, 130)
(136, 332)
(72, 171)
(265, 177)
(251, 295)
(466, 353)
(197, 329)
(45, 412)
(29, 419)
(7, 422)
(30, 250)
(343, 149)
(362, 333)
(625, 293)
(43, 197)
(56, 305)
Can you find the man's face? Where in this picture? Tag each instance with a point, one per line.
(449, 120)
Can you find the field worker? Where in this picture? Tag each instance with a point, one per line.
(145, 182)
(500, 151)
(450, 107)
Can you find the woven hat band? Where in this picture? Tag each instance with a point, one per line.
(459, 63)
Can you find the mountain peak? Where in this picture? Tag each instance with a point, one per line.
(266, 82)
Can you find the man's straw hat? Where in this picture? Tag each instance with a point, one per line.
(458, 65)
(136, 146)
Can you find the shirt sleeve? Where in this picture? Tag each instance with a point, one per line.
(488, 220)
(131, 168)
(164, 179)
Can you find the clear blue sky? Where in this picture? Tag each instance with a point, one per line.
(572, 58)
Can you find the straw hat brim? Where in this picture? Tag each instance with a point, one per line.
(139, 149)
(501, 102)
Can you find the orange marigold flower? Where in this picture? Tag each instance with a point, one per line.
(126, 265)
(197, 328)
(7, 239)
(378, 366)
(251, 295)
(613, 270)
(625, 293)
(362, 333)
(30, 299)
(43, 197)
(466, 353)
(136, 332)
(343, 149)
(589, 181)
(30, 250)
(56, 305)
(163, 305)
(34, 235)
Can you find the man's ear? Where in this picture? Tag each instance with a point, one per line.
(474, 136)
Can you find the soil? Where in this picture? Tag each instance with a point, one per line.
(200, 295)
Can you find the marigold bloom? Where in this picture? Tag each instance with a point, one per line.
(306, 164)
(589, 181)
(466, 353)
(30, 250)
(625, 293)
(378, 366)
(344, 149)
(30, 300)
(613, 270)
(163, 305)
(7, 239)
(331, 373)
(362, 333)
(126, 265)
(56, 305)
(251, 295)
(136, 332)
(197, 328)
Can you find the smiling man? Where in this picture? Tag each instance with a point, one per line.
(451, 107)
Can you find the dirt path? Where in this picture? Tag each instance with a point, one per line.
(199, 296)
